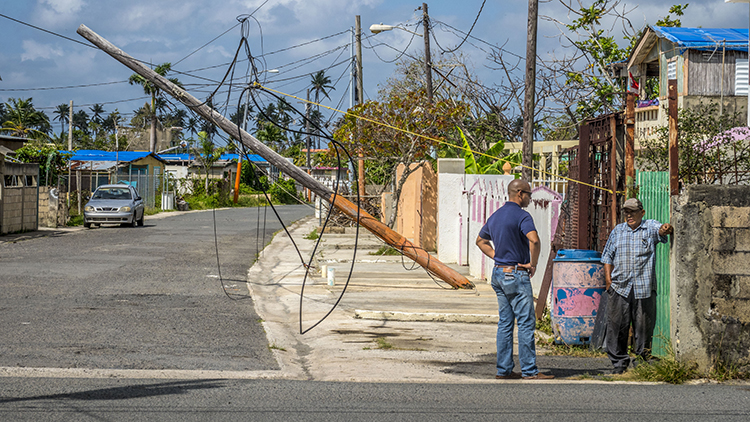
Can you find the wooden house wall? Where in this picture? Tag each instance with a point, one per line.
(705, 72)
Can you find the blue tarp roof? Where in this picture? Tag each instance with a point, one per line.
(705, 38)
(128, 156)
(97, 155)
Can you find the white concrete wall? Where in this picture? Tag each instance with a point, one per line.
(465, 202)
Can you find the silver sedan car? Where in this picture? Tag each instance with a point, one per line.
(114, 204)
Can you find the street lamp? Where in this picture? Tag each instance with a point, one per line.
(377, 28)
(380, 27)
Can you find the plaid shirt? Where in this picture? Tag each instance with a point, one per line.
(632, 252)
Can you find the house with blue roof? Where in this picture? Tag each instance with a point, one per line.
(709, 64)
(93, 168)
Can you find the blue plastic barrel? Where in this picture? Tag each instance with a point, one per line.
(577, 286)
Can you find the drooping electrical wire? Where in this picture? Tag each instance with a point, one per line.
(470, 29)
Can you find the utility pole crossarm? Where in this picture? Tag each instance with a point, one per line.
(379, 229)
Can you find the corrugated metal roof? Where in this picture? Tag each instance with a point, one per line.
(705, 38)
(226, 157)
(92, 165)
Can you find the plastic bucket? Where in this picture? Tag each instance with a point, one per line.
(577, 286)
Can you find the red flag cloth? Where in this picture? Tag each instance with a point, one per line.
(633, 83)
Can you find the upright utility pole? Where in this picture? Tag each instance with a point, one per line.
(367, 221)
(359, 100)
(528, 112)
(70, 127)
(70, 145)
(630, 145)
(307, 130)
(674, 184)
(427, 59)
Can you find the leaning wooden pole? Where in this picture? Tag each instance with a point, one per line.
(367, 221)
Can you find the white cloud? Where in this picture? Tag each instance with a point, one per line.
(63, 6)
(58, 13)
(33, 50)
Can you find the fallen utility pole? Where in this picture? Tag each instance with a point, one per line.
(351, 210)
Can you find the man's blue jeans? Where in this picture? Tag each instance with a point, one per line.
(515, 302)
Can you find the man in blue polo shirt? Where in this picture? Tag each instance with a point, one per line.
(629, 260)
(516, 253)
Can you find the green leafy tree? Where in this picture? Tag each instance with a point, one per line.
(23, 120)
(707, 152)
(418, 122)
(583, 83)
(489, 162)
(51, 161)
(207, 154)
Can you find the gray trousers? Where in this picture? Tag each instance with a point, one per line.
(621, 313)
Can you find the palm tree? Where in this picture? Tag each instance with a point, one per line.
(153, 91)
(320, 83)
(62, 115)
(97, 110)
(81, 121)
(192, 126)
(23, 120)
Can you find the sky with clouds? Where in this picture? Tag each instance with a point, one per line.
(297, 37)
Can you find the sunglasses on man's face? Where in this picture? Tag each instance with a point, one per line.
(528, 192)
(632, 212)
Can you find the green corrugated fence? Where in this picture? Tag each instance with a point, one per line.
(654, 193)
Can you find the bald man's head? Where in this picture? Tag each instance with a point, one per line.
(519, 191)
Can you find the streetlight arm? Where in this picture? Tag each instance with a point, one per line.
(378, 28)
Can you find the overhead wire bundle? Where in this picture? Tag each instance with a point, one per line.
(253, 94)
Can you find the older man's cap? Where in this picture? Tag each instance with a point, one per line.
(632, 204)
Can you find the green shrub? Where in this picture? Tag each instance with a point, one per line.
(284, 191)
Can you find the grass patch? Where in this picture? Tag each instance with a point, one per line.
(544, 324)
(275, 347)
(386, 250)
(578, 351)
(75, 220)
(383, 343)
(722, 370)
(313, 235)
(668, 369)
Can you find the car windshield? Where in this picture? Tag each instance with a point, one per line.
(112, 193)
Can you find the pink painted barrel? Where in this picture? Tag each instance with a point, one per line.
(577, 287)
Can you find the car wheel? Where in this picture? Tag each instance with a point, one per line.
(140, 220)
(134, 222)
(87, 225)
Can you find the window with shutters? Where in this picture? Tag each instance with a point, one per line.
(672, 70)
(740, 77)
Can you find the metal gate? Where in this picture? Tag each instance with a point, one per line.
(590, 213)
(654, 194)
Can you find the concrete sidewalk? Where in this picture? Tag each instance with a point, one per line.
(392, 324)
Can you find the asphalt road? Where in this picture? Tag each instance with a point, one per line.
(286, 400)
(148, 300)
(138, 298)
